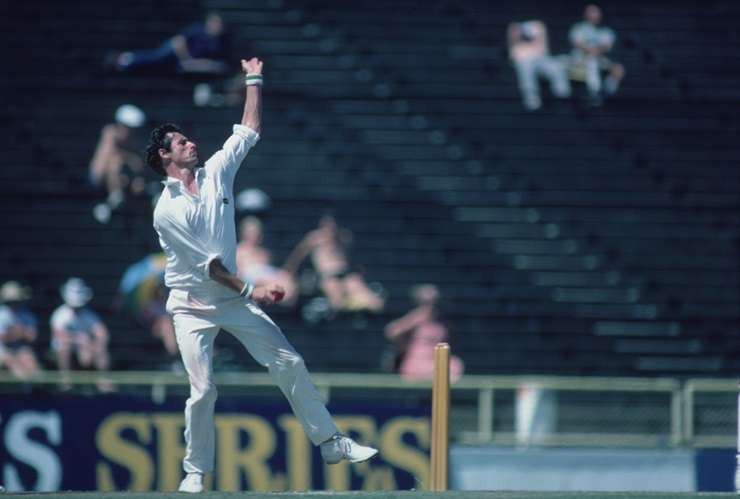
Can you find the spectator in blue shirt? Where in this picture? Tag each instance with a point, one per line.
(200, 48)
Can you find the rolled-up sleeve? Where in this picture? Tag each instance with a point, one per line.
(228, 159)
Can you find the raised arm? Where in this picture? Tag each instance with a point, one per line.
(252, 116)
(408, 322)
(228, 159)
(310, 241)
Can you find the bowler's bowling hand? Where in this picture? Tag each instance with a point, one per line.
(268, 294)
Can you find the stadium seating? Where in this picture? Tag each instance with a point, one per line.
(570, 241)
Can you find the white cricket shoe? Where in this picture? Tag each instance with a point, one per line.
(193, 483)
(340, 447)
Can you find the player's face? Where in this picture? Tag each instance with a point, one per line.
(183, 151)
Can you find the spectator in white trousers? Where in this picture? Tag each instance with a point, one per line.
(194, 219)
(530, 54)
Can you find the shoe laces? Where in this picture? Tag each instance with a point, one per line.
(345, 445)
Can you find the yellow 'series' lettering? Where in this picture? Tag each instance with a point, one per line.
(252, 460)
(298, 453)
(403, 456)
(125, 453)
(170, 449)
(338, 475)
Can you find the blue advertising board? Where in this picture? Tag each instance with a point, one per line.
(127, 442)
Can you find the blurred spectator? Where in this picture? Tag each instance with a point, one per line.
(117, 148)
(17, 331)
(161, 326)
(417, 333)
(142, 293)
(591, 42)
(530, 54)
(344, 287)
(202, 47)
(77, 329)
(254, 261)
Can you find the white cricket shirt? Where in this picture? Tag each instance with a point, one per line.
(194, 230)
(82, 320)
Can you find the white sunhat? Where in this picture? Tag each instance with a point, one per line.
(253, 199)
(75, 292)
(13, 291)
(130, 116)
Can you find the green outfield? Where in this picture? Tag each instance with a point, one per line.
(375, 495)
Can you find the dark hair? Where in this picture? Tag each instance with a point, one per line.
(160, 138)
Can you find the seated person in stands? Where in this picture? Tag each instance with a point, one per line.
(344, 287)
(417, 333)
(155, 315)
(254, 261)
(118, 147)
(77, 329)
(591, 42)
(202, 47)
(142, 294)
(529, 52)
(17, 331)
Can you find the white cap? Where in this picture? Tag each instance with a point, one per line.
(130, 116)
(75, 292)
(254, 200)
(12, 291)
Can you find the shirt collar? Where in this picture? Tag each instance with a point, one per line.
(173, 182)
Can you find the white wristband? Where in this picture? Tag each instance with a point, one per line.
(246, 291)
(253, 79)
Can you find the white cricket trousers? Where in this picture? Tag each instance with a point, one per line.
(196, 327)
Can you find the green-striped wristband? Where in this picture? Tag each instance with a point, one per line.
(246, 291)
(253, 80)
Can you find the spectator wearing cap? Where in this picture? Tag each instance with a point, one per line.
(117, 165)
(77, 329)
(17, 331)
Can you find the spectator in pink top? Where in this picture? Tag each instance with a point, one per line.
(417, 333)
